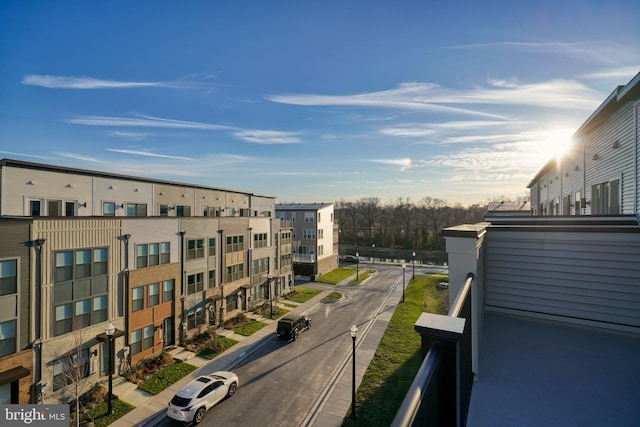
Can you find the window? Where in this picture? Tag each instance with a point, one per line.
(320, 250)
(309, 233)
(154, 294)
(308, 217)
(164, 210)
(7, 337)
(108, 208)
(34, 208)
(64, 319)
(154, 253)
(64, 266)
(8, 277)
(235, 244)
(195, 283)
(136, 209)
(235, 272)
(80, 288)
(578, 203)
(148, 337)
(183, 210)
(293, 217)
(136, 341)
(137, 298)
(167, 289)
(318, 217)
(195, 317)
(260, 240)
(259, 270)
(195, 248)
(54, 207)
(99, 313)
(69, 208)
(150, 254)
(83, 263)
(82, 313)
(605, 198)
(232, 302)
(70, 369)
(212, 278)
(165, 253)
(321, 233)
(212, 247)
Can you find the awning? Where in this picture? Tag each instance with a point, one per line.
(13, 374)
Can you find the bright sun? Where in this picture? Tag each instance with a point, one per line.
(552, 143)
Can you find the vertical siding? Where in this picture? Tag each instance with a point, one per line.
(15, 245)
(582, 275)
(77, 233)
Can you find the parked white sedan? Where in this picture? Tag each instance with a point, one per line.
(201, 394)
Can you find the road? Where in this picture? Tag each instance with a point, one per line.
(281, 382)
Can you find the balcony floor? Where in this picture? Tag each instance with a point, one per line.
(540, 373)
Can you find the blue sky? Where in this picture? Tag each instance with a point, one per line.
(311, 101)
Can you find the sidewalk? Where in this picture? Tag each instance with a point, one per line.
(329, 409)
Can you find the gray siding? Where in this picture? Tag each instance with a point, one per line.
(576, 274)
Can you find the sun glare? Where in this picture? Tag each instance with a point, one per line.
(552, 143)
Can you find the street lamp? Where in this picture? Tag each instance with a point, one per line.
(413, 262)
(373, 248)
(270, 295)
(357, 267)
(403, 267)
(109, 331)
(353, 331)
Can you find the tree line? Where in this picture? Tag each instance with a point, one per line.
(402, 224)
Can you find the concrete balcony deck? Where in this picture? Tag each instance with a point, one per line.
(540, 373)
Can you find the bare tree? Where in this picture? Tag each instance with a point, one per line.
(369, 210)
(433, 211)
(71, 367)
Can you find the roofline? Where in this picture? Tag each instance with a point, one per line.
(302, 206)
(618, 95)
(54, 168)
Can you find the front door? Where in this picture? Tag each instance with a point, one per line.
(169, 334)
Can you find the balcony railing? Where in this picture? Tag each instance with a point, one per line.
(440, 393)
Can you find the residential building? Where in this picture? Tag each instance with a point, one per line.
(315, 237)
(160, 260)
(544, 325)
(600, 175)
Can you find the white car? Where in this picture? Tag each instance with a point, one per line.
(201, 394)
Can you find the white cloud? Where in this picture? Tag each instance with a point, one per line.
(148, 154)
(85, 83)
(145, 121)
(258, 136)
(596, 51)
(557, 93)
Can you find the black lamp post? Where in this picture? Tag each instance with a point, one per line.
(353, 331)
(413, 262)
(373, 249)
(357, 267)
(270, 295)
(109, 331)
(403, 268)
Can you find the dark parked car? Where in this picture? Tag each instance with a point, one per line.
(350, 258)
(290, 326)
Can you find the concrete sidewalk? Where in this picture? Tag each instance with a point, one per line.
(329, 409)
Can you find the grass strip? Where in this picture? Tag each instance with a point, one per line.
(165, 377)
(398, 357)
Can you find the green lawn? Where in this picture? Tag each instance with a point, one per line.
(249, 328)
(165, 377)
(301, 295)
(99, 413)
(398, 357)
(336, 276)
(333, 296)
(224, 343)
